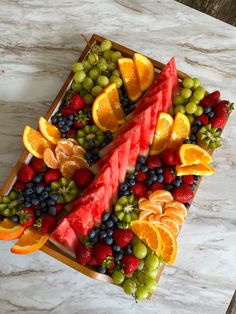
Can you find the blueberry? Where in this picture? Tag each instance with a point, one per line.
(211, 114)
(108, 240)
(54, 196)
(102, 234)
(132, 182)
(44, 194)
(138, 166)
(160, 178)
(61, 124)
(38, 178)
(193, 137)
(29, 191)
(88, 155)
(193, 186)
(54, 119)
(141, 160)
(118, 256)
(47, 188)
(194, 129)
(43, 204)
(123, 187)
(28, 204)
(129, 249)
(101, 269)
(94, 240)
(71, 117)
(158, 170)
(114, 218)
(196, 178)
(103, 227)
(38, 213)
(63, 134)
(144, 168)
(21, 199)
(109, 224)
(177, 182)
(207, 109)
(197, 123)
(35, 201)
(108, 136)
(92, 234)
(69, 122)
(126, 193)
(187, 141)
(130, 176)
(219, 130)
(52, 211)
(187, 205)
(105, 217)
(65, 128)
(148, 181)
(154, 178)
(116, 248)
(60, 119)
(39, 189)
(109, 232)
(29, 185)
(14, 218)
(51, 202)
(169, 187)
(151, 171)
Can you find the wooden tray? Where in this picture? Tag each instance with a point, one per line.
(49, 248)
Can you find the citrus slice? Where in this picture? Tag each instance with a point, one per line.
(31, 241)
(169, 248)
(170, 224)
(130, 78)
(181, 130)
(160, 196)
(191, 154)
(66, 146)
(34, 142)
(103, 114)
(49, 131)
(145, 71)
(155, 208)
(144, 215)
(61, 156)
(68, 168)
(50, 158)
(162, 134)
(199, 170)
(154, 218)
(10, 230)
(114, 99)
(78, 150)
(177, 207)
(179, 219)
(147, 232)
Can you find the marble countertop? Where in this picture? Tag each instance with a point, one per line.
(39, 41)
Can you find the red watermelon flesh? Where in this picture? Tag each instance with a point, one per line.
(64, 237)
(112, 162)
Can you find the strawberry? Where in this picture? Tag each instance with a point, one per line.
(218, 121)
(27, 217)
(157, 186)
(38, 165)
(223, 108)
(48, 223)
(183, 193)
(189, 179)
(93, 262)
(83, 177)
(123, 237)
(129, 264)
(84, 253)
(52, 175)
(71, 133)
(76, 102)
(26, 174)
(203, 118)
(19, 185)
(153, 162)
(211, 99)
(103, 254)
(78, 124)
(59, 208)
(169, 157)
(141, 176)
(169, 175)
(66, 111)
(139, 189)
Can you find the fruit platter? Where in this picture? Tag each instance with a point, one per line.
(106, 181)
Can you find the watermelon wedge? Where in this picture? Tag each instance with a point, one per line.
(112, 162)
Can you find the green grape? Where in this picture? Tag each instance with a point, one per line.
(88, 83)
(194, 100)
(101, 59)
(107, 54)
(102, 80)
(115, 56)
(191, 118)
(186, 92)
(188, 82)
(191, 107)
(152, 261)
(107, 73)
(150, 284)
(179, 108)
(93, 58)
(199, 111)
(96, 49)
(111, 66)
(118, 277)
(199, 93)
(135, 240)
(106, 45)
(96, 90)
(129, 286)
(88, 98)
(178, 100)
(79, 76)
(141, 264)
(86, 65)
(116, 72)
(140, 250)
(94, 73)
(102, 66)
(117, 80)
(196, 83)
(141, 277)
(76, 87)
(152, 273)
(77, 67)
(141, 293)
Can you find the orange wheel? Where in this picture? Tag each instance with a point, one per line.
(191, 154)
(34, 142)
(200, 170)
(10, 230)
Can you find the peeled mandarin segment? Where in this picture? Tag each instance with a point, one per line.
(69, 167)
(78, 150)
(50, 159)
(145, 71)
(72, 140)
(154, 218)
(179, 211)
(130, 78)
(34, 142)
(162, 133)
(177, 206)
(142, 199)
(103, 114)
(31, 241)
(171, 224)
(144, 215)
(149, 206)
(191, 154)
(161, 196)
(49, 131)
(199, 170)
(174, 216)
(81, 162)
(114, 99)
(180, 131)
(61, 156)
(10, 230)
(66, 146)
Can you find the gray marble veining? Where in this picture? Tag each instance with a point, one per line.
(39, 40)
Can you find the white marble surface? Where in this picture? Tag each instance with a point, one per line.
(39, 40)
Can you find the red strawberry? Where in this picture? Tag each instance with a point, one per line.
(59, 207)
(157, 186)
(52, 175)
(122, 237)
(78, 124)
(218, 121)
(139, 189)
(141, 176)
(169, 175)
(188, 179)
(83, 177)
(221, 109)
(27, 217)
(93, 262)
(83, 254)
(103, 254)
(66, 111)
(76, 102)
(169, 157)
(19, 185)
(203, 118)
(26, 174)
(153, 162)
(211, 99)
(183, 193)
(129, 264)
(48, 223)
(71, 133)
(38, 165)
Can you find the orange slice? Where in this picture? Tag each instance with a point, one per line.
(130, 78)
(49, 131)
(162, 133)
(147, 232)
(50, 158)
(169, 248)
(161, 196)
(179, 219)
(145, 71)
(31, 241)
(170, 224)
(34, 142)
(176, 206)
(191, 154)
(66, 146)
(181, 130)
(199, 170)
(10, 230)
(114, 99)
(103, 114)
(155, 208)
